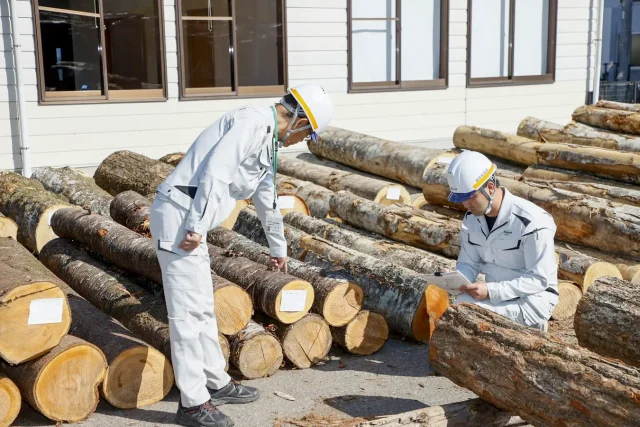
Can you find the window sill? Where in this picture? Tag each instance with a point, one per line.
(439, 84)
(209, 97)
(78, 101)
(518, 81)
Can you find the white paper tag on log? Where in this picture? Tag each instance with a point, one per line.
(393, 193)
(274, 223)
(445, 160)
(44, 311)
(286, 202)
(293, 301)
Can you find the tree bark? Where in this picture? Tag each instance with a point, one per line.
(21, 283)
(63, 384)
(132, 210)
(336, 180)
(612, 164)
(393, 160)
(522, 371)
(612, 105)
(337, 298)
(315, 196)
(79, 188)
(136, 254)
(10, 401)
(26, 202)
(583, 269)
(422, 229)
(629, 268)
(578, 134)
(125, 170)
(172, 159)
(378, 247)
(402, 296)
(267, 288)
(570, 294)
(619, 121)
(8, 227)
(364, 335)
(607, 318)
(255, 352)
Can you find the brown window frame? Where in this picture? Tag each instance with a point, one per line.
(237, 91)
(511, 80)
(400, 85)
(95, 97)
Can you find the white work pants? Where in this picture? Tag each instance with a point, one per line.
(196, 355)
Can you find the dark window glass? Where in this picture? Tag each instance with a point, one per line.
(132, 44)
(70, 52)
(206, 7)
(207, 46)
(90, 6)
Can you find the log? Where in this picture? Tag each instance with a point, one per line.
(268, 289)
(570, 294)
(374, 245)
(410, 306)
(425, 230)
(226, 349)
(255, 352)
(393, 160)
(148, 374)
(305, 342)
(26, 202)
(576, 133)
(132, 210)
(629, 268)
(377, 190)
(619, 121)
(78, 187)
(8, 227)
(583, 269)
(63, 384)
(20, 286)
(607, 318)
(520, 369)
(125, 170)
(299, 205)
(10, 401)
(233, 216)
(612, 105)
(172, 159)
(364, 335)
(136, 254)
(611, 164)
(315, 196)
(336, 298)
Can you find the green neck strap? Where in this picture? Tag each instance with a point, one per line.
(274, 145)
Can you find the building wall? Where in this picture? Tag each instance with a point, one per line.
(83, 135)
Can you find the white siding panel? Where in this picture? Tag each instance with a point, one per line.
(316, 15)
(317, 30)
(317, 72)
(571, 75)
(525, 101)
(420, 134)
(458, 67)
(8, 110)
(371, 111)
(170, 28)
(317, 58)
(392, 98)
(172, 60)
(28, 60)
(306, 44)
(457, 16)
(10, 161)
(458, 4)
(330, 85)
(458, 29)
(171, 45)
(457, 80)
(563, 62)
(573, 38)
(574, 3)
(572, 50)
(24, 24)
(23, 7)
(26, 41)
(573, 14)
(515, 91)
(8, 93)
(8, 127)
(29, 77)
(457, 55)
(458, 42)
(514, 115)
(169, 13)
(573, 26)
(316, 4)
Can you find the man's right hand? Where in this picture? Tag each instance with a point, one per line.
(190, 242)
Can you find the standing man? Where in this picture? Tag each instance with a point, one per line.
(509, 239)
(233, 159)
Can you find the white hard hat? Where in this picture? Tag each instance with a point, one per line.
(467, 173)
(316, 104)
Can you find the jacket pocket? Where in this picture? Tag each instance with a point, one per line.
(172, 246)
(510, 253)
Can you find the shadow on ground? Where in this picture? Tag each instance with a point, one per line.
(372, 406)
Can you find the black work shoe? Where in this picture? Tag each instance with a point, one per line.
(234, 392)
(205, 415)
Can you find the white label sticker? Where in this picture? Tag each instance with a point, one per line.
(44, 311)
(274, 223)
(393, 193)
(445, 160)
(293, 301)
(286, 202)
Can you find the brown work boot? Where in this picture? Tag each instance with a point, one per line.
(205, 415)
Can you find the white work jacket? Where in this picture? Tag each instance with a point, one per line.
(231, 160)
(517, 256)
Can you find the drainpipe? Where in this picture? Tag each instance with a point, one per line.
(22, 106)
(598, 71)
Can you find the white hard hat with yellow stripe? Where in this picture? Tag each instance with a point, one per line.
(316, 104)
(468, 173)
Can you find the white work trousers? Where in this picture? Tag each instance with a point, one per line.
(196, 355)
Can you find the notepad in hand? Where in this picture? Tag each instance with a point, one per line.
(450, 282)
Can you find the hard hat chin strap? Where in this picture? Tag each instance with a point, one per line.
(296, 114)
(485, 193)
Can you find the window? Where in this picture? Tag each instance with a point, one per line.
(100, 50)
(398, 44)
(511, 42)
(232, 48)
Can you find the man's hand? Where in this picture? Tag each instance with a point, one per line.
(478, 291)
(279, 263)
(190, 242)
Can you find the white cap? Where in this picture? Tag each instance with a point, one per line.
(316, 104)
(467, 173)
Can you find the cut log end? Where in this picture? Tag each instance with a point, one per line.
(8, 227)
(224, 346)
(260, 356)
(419, 202)
(299, 205)
(19, 345)
(433, 304)
(10, 401)
(138, 377)
(231, 219)
(76, 372)
(233, 308)
(364, 335)
(342, 304)
(307, 341)
(44, 233)
(288, 317)
(570, 294)
(597, 270)
(388, 195)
